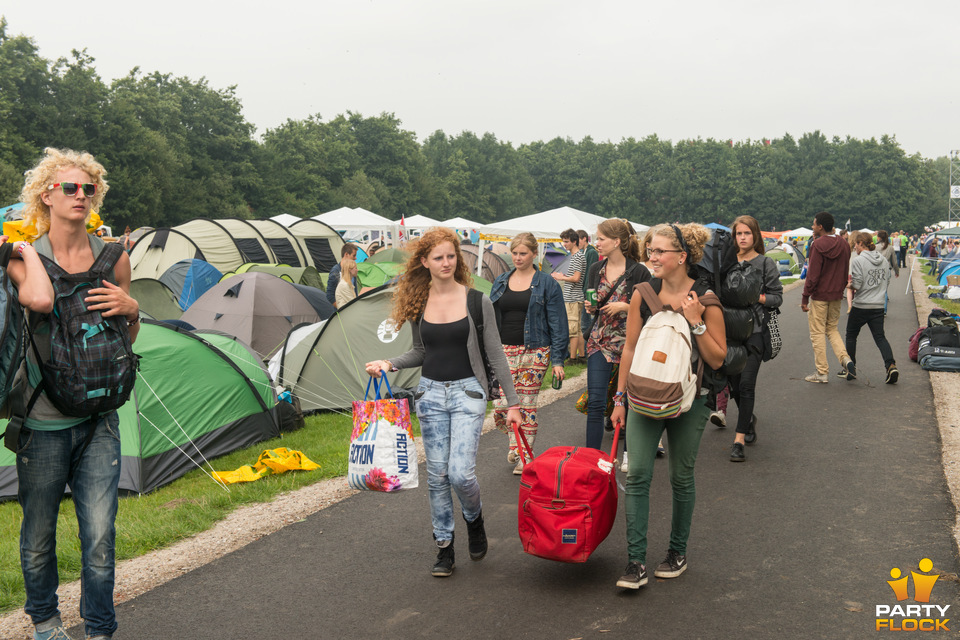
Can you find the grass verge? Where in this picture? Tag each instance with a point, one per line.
(947, 305)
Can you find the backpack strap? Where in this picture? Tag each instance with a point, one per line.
(474, 298)
(649, 296)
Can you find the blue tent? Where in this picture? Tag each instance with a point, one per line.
(190, 279)
(12, 212)
(952, 270)
(714, 225)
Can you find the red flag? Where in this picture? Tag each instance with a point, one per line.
(402, 224)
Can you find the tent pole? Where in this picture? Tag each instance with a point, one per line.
(480, 256)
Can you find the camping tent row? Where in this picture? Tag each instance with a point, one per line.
(229, 243)
(198, 395)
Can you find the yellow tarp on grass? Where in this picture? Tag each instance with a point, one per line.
(270, 461)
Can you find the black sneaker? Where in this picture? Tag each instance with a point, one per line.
(750, 436)
(444, 566)
(477, 538)
(736, 453)
(851, 368)
(672, 566)
(634, 576)
(842, 374)
(892, 374)
(607, 424)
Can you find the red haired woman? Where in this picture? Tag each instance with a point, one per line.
(451, 398)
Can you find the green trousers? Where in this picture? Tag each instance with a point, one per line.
(683, 441)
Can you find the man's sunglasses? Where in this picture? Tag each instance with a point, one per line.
(70, 188)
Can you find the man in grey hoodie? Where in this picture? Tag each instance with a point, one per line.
(869, 278)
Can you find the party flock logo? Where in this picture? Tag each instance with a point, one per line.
(922, 616)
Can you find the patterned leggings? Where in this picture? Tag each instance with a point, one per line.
(528, 367)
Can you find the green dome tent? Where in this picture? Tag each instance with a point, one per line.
(156, 299)
(296, 275)
(198, 396)
(323, 363)
(375, 274)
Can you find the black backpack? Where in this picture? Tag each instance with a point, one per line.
(12, 342)
(92, 367)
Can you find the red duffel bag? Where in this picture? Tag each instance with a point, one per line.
(568, 500)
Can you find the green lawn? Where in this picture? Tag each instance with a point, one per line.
(191, 504)
(947, 305)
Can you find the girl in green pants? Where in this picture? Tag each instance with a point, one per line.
(672, 251)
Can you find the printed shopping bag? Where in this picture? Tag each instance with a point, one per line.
(382, 453)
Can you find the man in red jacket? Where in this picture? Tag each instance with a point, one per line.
(827, 271)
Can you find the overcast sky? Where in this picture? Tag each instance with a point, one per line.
(534, 70)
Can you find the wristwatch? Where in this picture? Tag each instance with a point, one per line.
(698, 329)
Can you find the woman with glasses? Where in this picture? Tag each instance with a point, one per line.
(743, 386)
(534, 333)
(57, 450)
(451, 398)
(613, 278)
(673, 251)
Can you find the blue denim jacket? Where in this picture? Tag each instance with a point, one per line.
(546, 323)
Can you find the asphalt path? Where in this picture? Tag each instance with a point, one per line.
(843, 484)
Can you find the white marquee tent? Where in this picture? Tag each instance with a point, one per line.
(420, 222)
(461, 224)
(546, 225)
(357, 219)
(799, 232)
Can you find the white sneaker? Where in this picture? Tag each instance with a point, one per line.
(623, 466)
(512, 456)
(719, 418)
(518, 470)
(817, 378)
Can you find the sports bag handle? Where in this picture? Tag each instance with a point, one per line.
(527, 452)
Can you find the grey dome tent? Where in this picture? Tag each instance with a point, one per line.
(258, 308)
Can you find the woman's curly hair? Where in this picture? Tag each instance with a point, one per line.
(411, 297)
(35, 210)
(696, 236)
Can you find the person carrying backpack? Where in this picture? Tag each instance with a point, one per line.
(743, 386)
(673, 251)
(56, 446)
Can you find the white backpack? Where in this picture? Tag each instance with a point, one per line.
(662, 383)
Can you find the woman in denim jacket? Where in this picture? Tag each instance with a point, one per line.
(452, 395)
(533, 330)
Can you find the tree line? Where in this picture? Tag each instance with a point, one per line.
(177, 149)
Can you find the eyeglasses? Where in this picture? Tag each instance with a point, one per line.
(70, 188)
(656, 253)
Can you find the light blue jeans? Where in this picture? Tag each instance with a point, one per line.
(46, 462)
(451, 418)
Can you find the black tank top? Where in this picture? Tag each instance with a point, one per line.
(513, 314)
(445, 350)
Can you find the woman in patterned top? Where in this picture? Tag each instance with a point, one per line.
(533, 330)
(613, 278)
